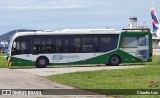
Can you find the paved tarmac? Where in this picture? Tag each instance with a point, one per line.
(70, 69)
(156, 51)
(13, 79)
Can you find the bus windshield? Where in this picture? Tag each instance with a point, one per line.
(10, 46)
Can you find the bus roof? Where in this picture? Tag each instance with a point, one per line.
(137, 30)
(70, 32)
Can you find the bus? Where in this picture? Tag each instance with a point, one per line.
(80, 46)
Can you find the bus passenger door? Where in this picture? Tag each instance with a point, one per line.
(129, 45)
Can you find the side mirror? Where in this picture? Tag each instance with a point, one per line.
(14, 45)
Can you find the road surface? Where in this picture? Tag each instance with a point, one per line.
(13, 79)
(63, 69)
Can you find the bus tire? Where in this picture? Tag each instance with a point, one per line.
(42, 62)
(114, 60)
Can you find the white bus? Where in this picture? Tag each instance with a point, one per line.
(80, 46)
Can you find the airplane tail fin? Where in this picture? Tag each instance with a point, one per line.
(155, 22)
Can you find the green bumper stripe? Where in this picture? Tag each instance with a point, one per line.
(21, 62)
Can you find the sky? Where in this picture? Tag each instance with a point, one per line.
(74, 14)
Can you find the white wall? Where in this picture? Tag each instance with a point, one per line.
(4, 42)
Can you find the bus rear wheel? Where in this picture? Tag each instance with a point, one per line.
(42, 62)
(114, 60)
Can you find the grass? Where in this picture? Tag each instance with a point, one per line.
(113, 79)
(3, 61)
(2, 54)
(104, 79)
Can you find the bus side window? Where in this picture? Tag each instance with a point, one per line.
(107, 43)
(68, 45)
(130, 42)
(72, 45)
(43, 45)
(89, 44)
(36, 45)
(59, 45)
(49, 45)
(39, 45)
(77, 45)
(25, 47)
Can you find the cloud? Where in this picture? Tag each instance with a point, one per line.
(51, 4)
(80, 13)
(40, 4)
(39, 7)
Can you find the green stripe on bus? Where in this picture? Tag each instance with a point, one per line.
(103, 59)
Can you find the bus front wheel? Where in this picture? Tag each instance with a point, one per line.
(42, 62)
(114, 60)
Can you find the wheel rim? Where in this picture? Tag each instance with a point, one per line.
(114, 60)
(42, 62)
